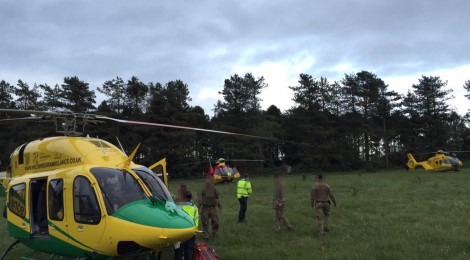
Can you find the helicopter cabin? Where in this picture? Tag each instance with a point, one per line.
(78, 197)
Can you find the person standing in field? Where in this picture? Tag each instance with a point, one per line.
(243, 193)
(186, 248)
(321, 197)
(210, 207)
(279, 203)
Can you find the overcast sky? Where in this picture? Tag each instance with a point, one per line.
(205, 42)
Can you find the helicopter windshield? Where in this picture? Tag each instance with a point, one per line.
(454, 160)
(118, 188)
(154, 183)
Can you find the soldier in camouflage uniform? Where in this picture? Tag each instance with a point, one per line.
(321, 197)
(210, 207)
(279, 203)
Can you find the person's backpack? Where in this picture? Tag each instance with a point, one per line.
(203, 252)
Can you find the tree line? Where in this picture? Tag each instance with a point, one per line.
(350, 124)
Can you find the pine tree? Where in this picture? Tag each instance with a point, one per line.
(77, 96)
(239, 112)
(6, 99)
(136, 92)
(115, 90)
(427, 109)
(52, 97)
(27, 98)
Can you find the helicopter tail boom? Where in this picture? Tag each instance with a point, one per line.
(412, 163)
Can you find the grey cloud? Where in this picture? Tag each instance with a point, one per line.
(202, 41)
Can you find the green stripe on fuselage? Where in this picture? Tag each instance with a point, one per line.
(69, 236)
(51, 244)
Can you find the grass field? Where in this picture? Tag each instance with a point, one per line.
(384, 215)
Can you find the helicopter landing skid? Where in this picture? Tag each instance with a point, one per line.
(52, 256)
(30, 256)
(10, 247)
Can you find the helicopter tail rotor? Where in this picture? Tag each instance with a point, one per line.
(412, 163)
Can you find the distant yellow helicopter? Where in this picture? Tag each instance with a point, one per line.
(222, 173)
(440, 162)
(84, 197)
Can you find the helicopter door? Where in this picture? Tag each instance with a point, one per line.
(38, 213)
(85, 216)
(159, 168)
(55, 201)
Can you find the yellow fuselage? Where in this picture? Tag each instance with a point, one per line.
(150, 222)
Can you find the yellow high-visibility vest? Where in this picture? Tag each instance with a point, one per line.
(243, 188)
(192, 211)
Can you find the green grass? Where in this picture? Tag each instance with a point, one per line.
(384, 215)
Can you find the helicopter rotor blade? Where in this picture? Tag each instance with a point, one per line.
(22, 119)
(82, 118)
(227, 160)
(34, 112)
(181, 127)
(244, 160)
(415, 154)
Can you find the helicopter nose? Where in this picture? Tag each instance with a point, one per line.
(164, 215)
(145, 224)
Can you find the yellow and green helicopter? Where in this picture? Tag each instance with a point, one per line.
(83, 197)
(440, 162)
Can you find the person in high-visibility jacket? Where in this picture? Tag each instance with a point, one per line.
(243, 193)
(185, 250)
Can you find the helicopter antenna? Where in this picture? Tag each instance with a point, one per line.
(131, 157)
(120, 145)
(102, 148)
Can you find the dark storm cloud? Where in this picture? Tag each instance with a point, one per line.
(202, 42)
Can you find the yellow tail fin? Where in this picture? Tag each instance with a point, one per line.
(412, 163)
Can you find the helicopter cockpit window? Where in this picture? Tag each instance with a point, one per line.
(454, 160)
(154, 183)
(56, 199)
(16, 200)
(85, 205)
(158, 170)
(118, 188)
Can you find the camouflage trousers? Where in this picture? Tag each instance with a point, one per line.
(322, 210)
(279, 205)
(209, 213)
